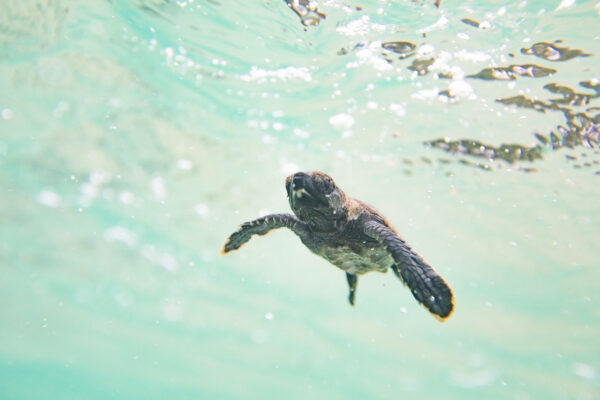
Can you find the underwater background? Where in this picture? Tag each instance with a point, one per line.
(135, 136)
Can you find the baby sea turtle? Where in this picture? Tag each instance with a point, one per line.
(352, 236)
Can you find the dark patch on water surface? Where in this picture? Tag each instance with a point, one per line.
(310, 15)
(476, 24)
(569, 97)
(391, 50)
(582, 129)
(307, 12)
(512, 71)
(524, 102)
(506, 152)
(421, 66)
(343, 51)
(435, 2)
(403, 49)
(471, 22)
(551, 52)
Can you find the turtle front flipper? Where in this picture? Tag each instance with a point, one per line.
(262, 226)
(352, 283)
(426, 285)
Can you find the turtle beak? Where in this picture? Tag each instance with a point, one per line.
(302, 186)
(299, 180)
(298, 185)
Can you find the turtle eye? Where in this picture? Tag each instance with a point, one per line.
(327, 186)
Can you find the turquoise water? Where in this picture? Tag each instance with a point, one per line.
(135, 136)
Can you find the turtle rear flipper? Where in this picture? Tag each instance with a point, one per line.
(352, 283)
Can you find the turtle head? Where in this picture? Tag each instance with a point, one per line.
(316, 199)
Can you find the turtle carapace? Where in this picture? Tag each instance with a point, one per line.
(352, 236)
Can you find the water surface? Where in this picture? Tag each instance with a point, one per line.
(135, 136)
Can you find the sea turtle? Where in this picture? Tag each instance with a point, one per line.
(352, 236)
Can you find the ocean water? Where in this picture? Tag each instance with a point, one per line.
(135, 136)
